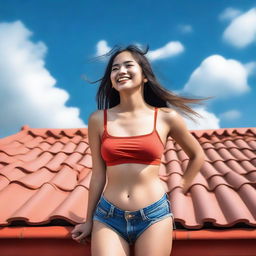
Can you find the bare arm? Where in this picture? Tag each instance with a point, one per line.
(98, 179)
(190, 145)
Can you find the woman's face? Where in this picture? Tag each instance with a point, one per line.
(126, 72)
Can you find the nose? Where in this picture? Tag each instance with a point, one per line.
(122, 69)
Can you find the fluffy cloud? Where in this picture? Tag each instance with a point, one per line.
(208, 121)
(167, 51)
(217, 76)
(27, 90)
(229, 14)
(102, 48)
(242, 30)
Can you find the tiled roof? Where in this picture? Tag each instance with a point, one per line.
(45, 176)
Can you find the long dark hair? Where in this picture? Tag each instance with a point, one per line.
(154, 93)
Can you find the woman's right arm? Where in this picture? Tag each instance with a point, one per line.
(98, 178)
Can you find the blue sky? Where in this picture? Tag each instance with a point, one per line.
(197, 48)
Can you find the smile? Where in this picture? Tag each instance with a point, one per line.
(121, 79)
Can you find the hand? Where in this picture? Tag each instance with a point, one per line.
(184, 186)
(81, 232)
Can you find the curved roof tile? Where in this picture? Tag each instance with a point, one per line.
(45, 175)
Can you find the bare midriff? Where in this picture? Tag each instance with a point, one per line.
(133, 186)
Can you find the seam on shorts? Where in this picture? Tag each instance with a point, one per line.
(95, 218)
(156, 209)
(173, 221)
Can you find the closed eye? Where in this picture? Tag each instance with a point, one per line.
(128, 65)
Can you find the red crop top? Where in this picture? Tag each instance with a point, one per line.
(144, 149)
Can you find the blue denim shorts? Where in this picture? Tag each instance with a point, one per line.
(130, 224)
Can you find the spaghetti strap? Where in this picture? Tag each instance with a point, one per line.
(105, 119)
(155, 117)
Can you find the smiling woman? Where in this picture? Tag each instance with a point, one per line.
(127, 140)
(154, 92)
(126, 71)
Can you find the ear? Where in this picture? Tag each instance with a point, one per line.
(145, 80)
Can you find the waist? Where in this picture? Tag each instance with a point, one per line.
(146, 208)
(130, 196)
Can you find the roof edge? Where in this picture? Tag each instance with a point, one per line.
(12, 137)
(65, 233)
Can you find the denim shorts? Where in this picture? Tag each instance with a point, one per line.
(130, 224)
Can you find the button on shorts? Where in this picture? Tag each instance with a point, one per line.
(130, 224)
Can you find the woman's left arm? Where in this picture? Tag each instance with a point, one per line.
(180, 133)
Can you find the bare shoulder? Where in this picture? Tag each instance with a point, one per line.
(174, 120)
(96, 116)
(169, 114)
(95, 119)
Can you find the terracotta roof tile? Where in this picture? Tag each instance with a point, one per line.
(45, 175)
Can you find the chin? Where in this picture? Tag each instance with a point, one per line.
(121, 88)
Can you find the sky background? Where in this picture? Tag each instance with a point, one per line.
(197, 48)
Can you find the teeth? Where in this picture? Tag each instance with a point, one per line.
(122, 79)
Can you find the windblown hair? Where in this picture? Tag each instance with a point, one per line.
(154, 93)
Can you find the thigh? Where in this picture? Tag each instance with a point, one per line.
(106, 242)
(156, 239)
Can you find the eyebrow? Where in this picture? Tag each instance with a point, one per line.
(123, 62)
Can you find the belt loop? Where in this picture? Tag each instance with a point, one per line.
(143, 214)
(111, 211)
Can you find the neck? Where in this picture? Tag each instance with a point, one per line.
(132, 100)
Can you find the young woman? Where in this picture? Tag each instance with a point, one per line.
(127, 140)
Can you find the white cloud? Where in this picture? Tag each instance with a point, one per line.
(167, 51)
(229, 14)
(217, 76)
(242, 30)
(231, 115)
(102, 48)
(208, 121)
(27, 90)
(185, 29)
